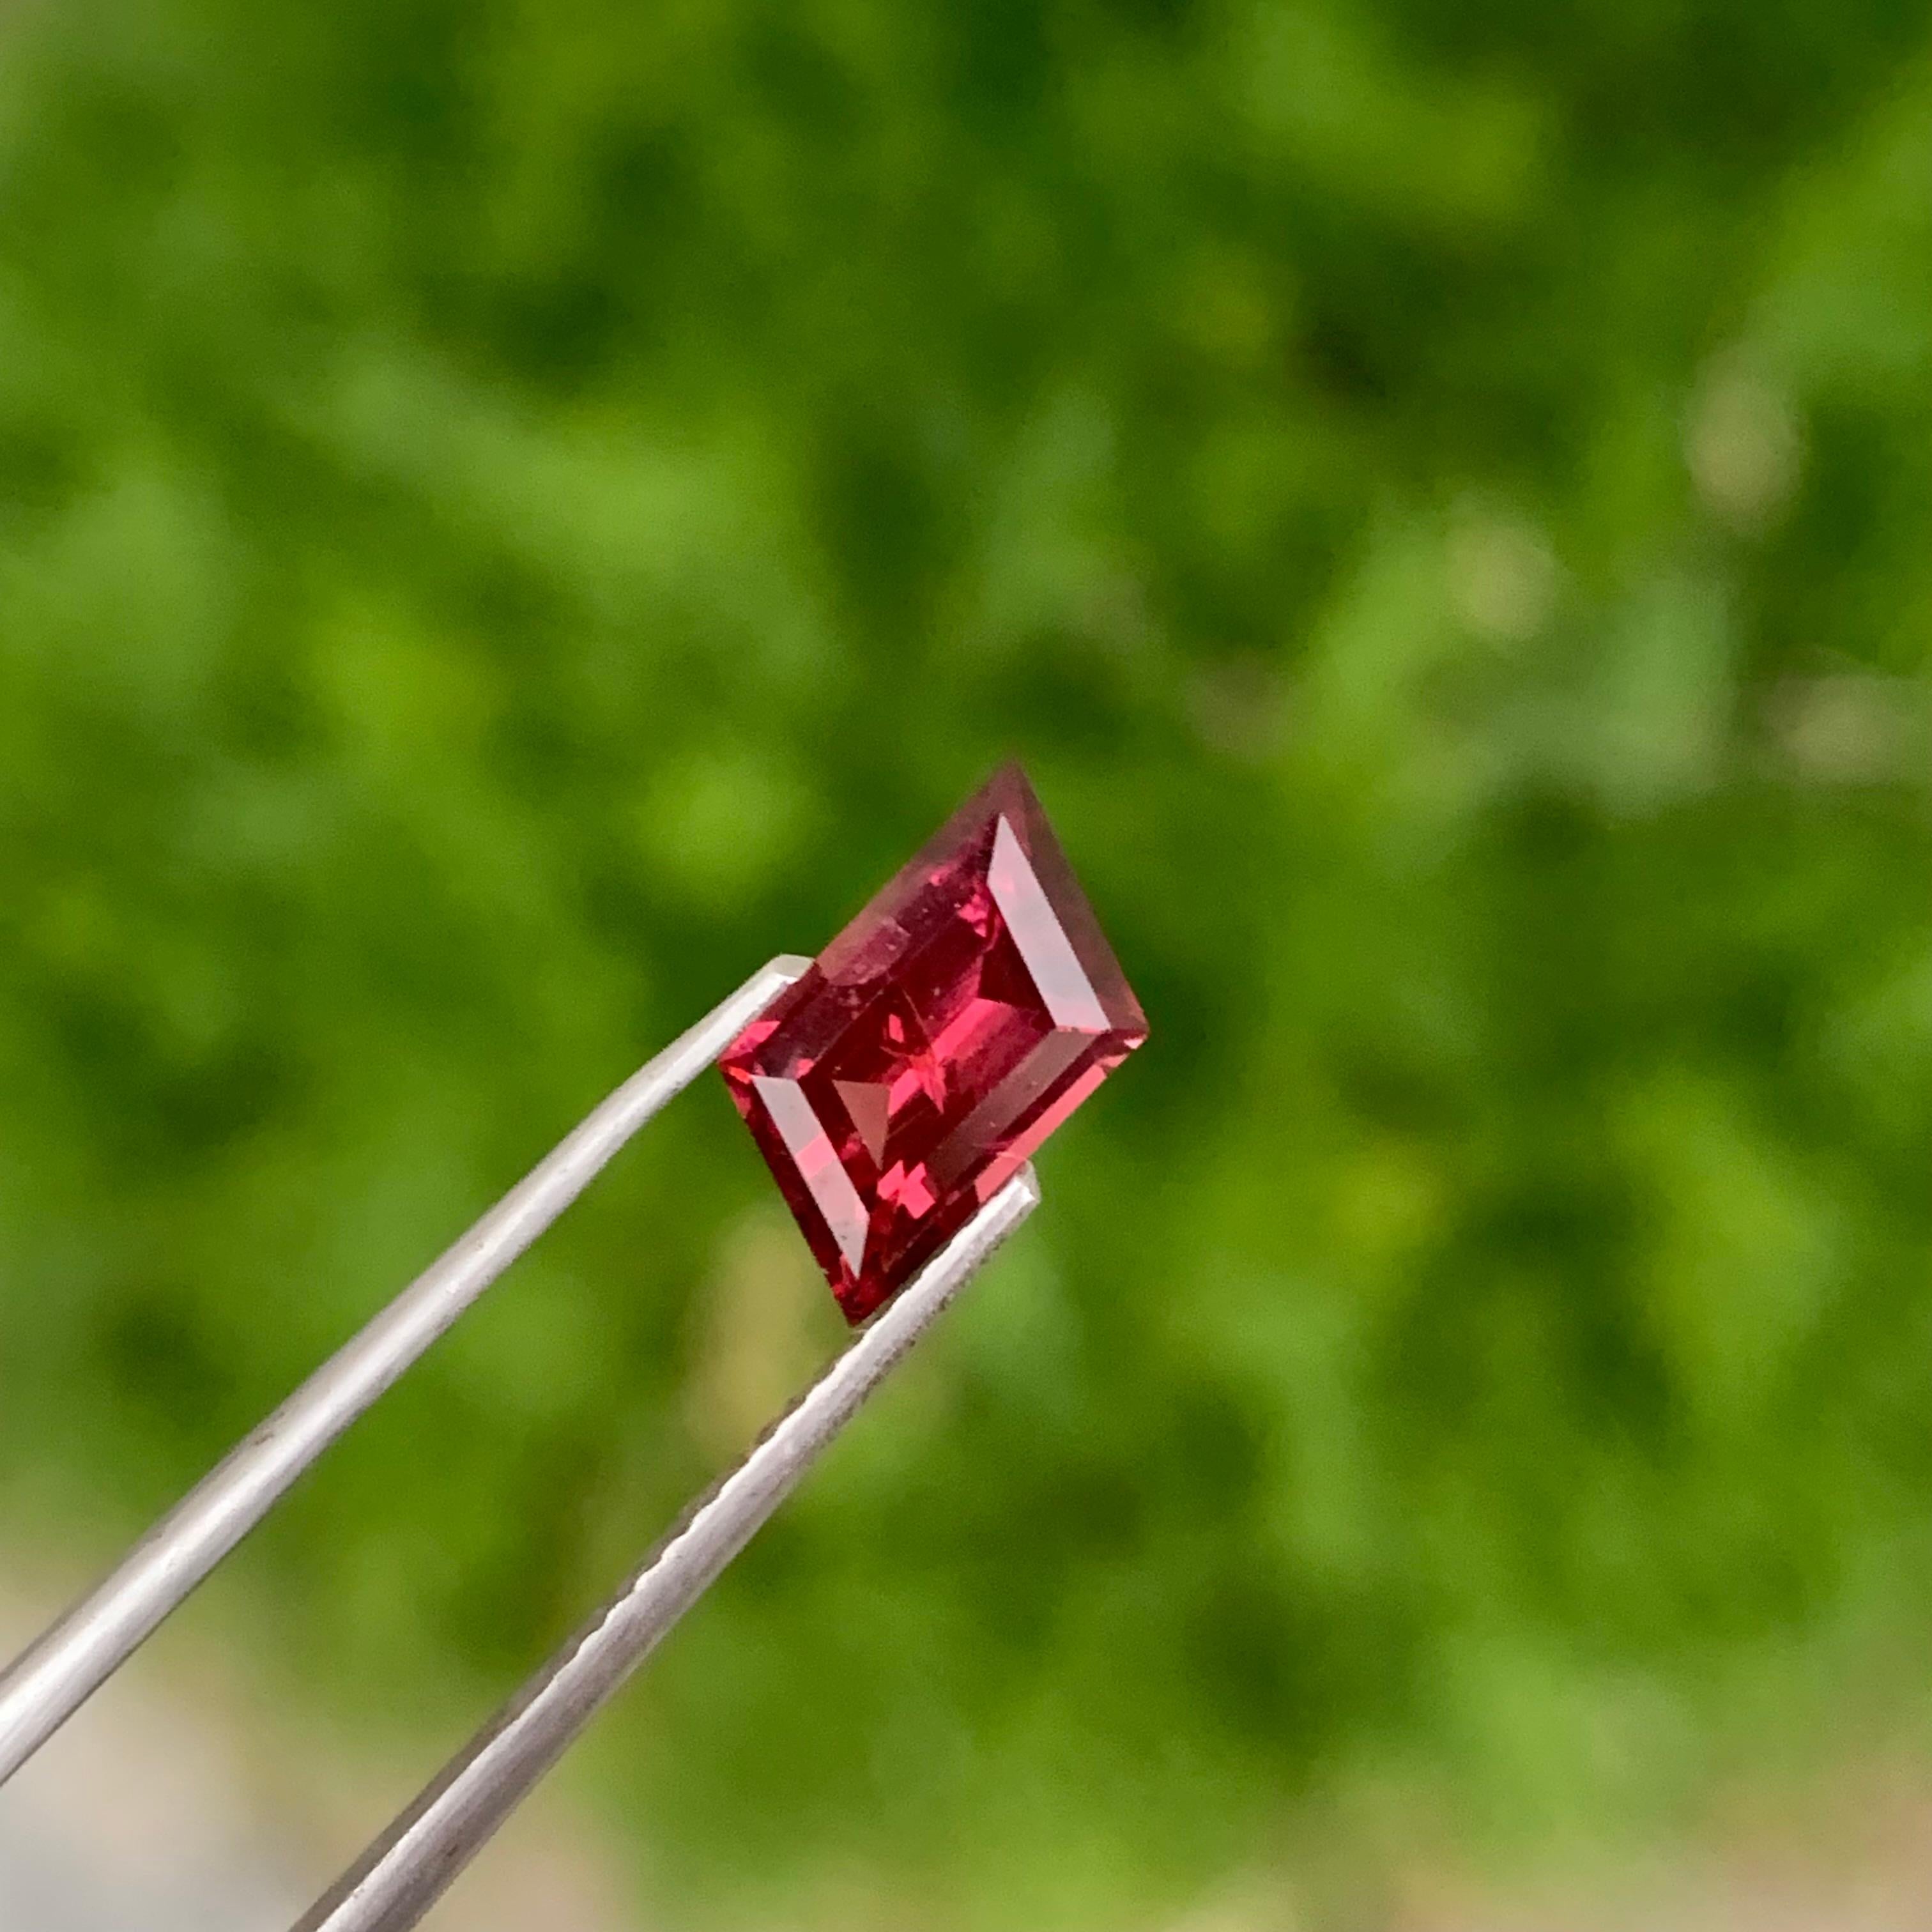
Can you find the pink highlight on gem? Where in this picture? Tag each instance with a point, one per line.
(1069, 994)
(816, 1165)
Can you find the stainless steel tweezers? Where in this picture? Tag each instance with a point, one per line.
(412, 1864)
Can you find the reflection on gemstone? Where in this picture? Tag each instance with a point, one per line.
(869, 1106)
(1043, 944)
(816, 1165)
(935, 1045)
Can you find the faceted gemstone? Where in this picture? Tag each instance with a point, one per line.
(934, 1045)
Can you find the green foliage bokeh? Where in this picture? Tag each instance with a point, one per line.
(510, 514)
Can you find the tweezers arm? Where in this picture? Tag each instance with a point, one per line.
(408, 1868)
(51, 1680)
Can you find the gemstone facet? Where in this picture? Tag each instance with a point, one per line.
(934, 1045)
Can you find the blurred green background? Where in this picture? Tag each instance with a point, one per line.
(510, 514)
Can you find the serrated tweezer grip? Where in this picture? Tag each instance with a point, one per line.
(407, 1869)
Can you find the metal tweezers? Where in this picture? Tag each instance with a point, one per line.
(412, 1864)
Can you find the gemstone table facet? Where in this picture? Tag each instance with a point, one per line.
(934, 1045)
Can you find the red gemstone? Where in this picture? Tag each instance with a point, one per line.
(934, 1045)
